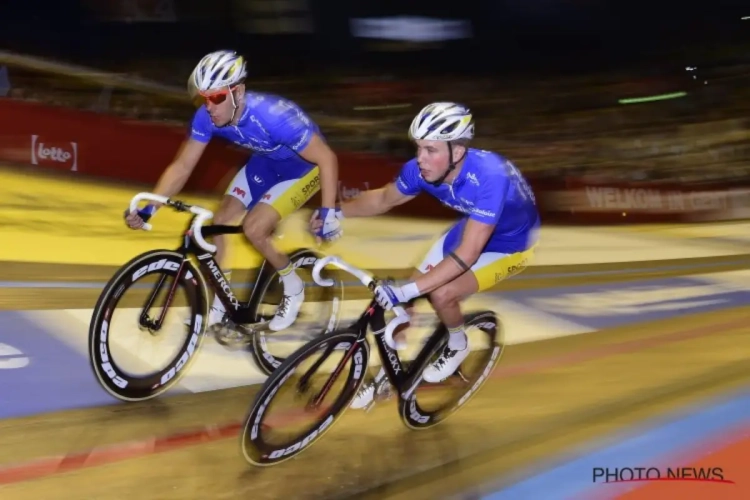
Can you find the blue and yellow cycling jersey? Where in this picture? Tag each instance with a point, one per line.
(489, 189)
(269, 125)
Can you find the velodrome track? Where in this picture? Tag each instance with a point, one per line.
(609, 329)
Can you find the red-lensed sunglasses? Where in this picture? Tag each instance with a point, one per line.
(218, 96)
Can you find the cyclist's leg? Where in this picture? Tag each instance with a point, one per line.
(491, 268)
(379, 385)
(233, 206)
(295, 184)
(446, 301)
(230, 212)
(430, 260)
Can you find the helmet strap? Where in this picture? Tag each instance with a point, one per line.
(234, 106)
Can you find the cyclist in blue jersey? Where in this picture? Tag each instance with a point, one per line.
(493, 241)
(290, 162)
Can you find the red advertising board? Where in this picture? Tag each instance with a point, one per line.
(106, 146)
(102, 145)
(582, 202)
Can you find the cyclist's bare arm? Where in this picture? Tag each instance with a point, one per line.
(320, 154)
(178, 172)
(475, 237)
(375, 202)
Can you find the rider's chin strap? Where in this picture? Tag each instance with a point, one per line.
(451, 166)
(234, 106)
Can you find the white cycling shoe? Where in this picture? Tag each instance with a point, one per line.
(379, 386)
(287, 311)
(446, 364)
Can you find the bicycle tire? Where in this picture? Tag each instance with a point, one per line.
(304, 258)
(111, 377)
(416, 418)
(259, 453)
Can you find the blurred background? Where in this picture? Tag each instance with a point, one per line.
(629, 119)
(555, 85)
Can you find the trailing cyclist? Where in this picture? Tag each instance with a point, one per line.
(494, 240)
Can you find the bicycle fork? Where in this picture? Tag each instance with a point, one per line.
(145, 321)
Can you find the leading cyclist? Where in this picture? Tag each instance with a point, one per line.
(494, 241)
(290, 163)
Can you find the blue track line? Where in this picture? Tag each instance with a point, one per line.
(659, 445)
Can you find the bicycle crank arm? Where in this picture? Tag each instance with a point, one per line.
(413, 387)
(233, 337)
(260, 327)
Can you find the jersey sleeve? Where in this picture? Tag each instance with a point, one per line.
(201, 128)
(493, 190)
(408, 179)
(290, 126)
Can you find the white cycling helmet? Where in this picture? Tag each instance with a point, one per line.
(217, 70)
(442, 121)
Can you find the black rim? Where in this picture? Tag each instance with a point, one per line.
(259, 452)
(115, 380)
(415, 417)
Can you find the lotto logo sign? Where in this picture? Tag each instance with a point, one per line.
(54, 153)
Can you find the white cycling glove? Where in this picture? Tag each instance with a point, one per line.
(331, 228)
(389, 296)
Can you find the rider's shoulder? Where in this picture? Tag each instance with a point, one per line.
(269, 106)
(258, 101)
(485, 157)
(487, 162)
(275, 112)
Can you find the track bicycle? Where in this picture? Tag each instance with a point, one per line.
(258, 440)
(244, 326)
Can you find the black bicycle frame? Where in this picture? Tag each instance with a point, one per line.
(404, 380)
(240, 312)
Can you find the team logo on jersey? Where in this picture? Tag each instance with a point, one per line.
(258, 180)
(485, 213)
(472, 178)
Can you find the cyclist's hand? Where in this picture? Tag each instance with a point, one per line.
(135, 220)
(389, 296)
(315, 225)
(330, 224)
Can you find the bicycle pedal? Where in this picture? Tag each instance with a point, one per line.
(383, 391)
(382, 394)
(230, 336)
